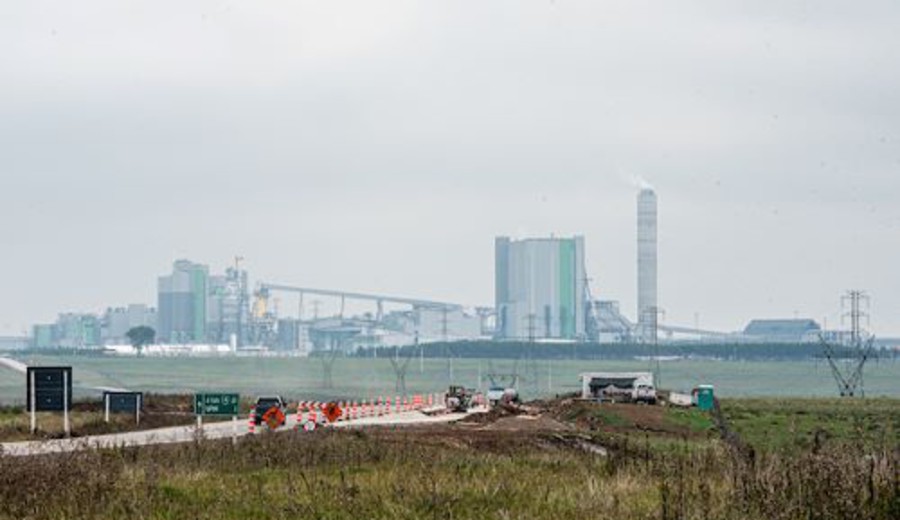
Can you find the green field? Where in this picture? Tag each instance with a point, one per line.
(301, 378)
(799, 424)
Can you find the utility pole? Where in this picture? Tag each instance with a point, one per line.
(652, 319)
(242, 298)
(532, 327)
(549, 376)
(444, 328)
(421, 354)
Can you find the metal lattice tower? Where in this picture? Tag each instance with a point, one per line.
(856, 299)
(400, 367)
(850, 382)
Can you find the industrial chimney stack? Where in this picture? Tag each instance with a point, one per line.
(646, 266)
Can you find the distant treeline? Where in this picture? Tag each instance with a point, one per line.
(516, 350)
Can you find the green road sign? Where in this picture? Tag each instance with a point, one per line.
(217, 404)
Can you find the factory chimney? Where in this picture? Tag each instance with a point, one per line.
(646, 265)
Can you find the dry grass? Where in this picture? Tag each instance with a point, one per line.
(421, 474)
(87, 418)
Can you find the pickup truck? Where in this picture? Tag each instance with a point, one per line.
(498, 394)
(644, 394)
(266, 403)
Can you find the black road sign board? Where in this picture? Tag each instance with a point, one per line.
(49, 392)
(124, 402)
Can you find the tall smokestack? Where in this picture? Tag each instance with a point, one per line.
(646, 265)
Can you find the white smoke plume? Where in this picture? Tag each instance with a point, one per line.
(634, 179)
(642, 183)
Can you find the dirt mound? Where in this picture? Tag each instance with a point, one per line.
(494, 414)
(535, 423)
(515, 417)
(625, 418)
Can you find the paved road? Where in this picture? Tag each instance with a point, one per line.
(220, 430)
(12, 364)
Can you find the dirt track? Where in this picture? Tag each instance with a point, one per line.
(546, 425)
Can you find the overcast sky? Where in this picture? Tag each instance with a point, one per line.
(380, 147)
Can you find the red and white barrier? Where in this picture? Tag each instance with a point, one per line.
(302, 406)
(312, 416)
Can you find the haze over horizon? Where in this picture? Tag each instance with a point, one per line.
(380, 147)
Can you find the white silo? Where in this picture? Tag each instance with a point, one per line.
(646, 265)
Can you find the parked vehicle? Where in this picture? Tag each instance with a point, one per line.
(266, 403)
(644, 394)
(500, 395)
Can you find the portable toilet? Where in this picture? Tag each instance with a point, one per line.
(705, 397)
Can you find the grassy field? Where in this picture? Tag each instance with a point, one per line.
(365, 378)
(662, 464)
(87, 418)
(800, 424)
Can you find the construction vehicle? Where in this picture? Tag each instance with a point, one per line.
(459, 399)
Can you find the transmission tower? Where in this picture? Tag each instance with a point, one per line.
(856, 314)
(850, 380)
(400, 367)
(328, 358)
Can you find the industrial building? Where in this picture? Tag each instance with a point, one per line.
(8, 343)
(782, 331)
(540, 288)
(43, 335)
(228, 307)
(419, 321)
(196, 307)
(71, 330)
(83, 330)
(116, 322)
(182, 303)
(647, 311)
(606, 324)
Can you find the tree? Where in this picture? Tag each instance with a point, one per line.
(140, 337)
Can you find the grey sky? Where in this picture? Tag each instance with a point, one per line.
(380, 146)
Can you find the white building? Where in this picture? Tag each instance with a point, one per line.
(540, 288)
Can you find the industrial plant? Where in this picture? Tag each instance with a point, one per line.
(541, 288)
